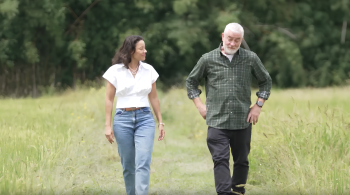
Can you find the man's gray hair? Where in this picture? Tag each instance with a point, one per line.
(234, 27)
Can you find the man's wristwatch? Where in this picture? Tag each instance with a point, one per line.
(259, 103)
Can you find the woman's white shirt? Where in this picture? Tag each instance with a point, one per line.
(130, 91)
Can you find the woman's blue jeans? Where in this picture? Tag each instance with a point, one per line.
(134, 133)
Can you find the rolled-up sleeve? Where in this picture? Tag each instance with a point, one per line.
(263, 78)
(194, 78)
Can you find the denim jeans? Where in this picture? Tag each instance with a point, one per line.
(134, 133)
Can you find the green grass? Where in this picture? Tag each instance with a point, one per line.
(56, 145)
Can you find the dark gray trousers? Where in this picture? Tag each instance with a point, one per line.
(219, 142)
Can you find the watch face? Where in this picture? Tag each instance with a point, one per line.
(259, 103)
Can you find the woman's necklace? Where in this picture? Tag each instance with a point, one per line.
(134, 72)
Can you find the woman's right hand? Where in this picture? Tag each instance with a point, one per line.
(109, 134)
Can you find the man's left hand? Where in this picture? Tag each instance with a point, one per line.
(254, 114)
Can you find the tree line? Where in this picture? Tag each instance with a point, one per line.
(57, 44)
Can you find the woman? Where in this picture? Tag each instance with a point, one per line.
(132, 81)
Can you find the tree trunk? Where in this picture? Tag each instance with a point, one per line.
(74, 78)
(83, 77)
(53, 78)
(3, 83)
(34, 92)
(343, 32)
(17, 71)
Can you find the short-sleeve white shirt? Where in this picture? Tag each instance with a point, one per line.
(130, 91)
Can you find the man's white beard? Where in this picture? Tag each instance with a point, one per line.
(229, 51)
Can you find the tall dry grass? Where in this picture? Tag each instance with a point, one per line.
(55, 145)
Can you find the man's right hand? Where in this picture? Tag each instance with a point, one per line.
(200, 107)
(202, 110)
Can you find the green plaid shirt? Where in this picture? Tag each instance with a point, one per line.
(227, 86)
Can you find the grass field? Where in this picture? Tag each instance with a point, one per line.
(56, 145)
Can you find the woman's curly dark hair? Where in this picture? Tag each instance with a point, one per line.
(123, 56)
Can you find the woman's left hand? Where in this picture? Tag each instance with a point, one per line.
(161, 132)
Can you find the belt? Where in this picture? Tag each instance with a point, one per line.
(132, 108)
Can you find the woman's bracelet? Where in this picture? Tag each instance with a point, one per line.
(161, 124)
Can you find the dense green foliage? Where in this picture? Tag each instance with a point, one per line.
(60, 43)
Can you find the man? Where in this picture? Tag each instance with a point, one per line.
(227, 72)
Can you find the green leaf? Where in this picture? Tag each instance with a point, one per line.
(9, 8)
(77, 49)
(31, 52)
